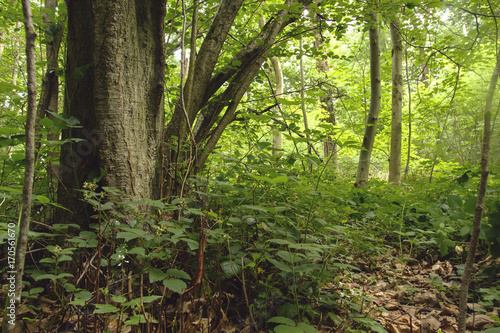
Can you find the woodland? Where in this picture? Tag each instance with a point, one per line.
(250, 166)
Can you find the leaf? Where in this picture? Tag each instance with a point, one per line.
(306, 328)
(156, 275)
(175, 285)
(454, 201)
(106, 308)
(127, 235)
(45, 277)
(280, 265)
(178, 273)
(231, 268)
(254, 207)
(287, 329)
(282, 320)
(118, 299)
(145, 300)
(279, 179)
(137, 250)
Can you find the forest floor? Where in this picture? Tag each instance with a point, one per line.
(414, 296)
(402, 295)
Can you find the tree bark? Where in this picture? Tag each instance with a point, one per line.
(16, 271)
(330, 144)
(278, 93)
(397, 104)
(476, 227)
(375, 97)
(49, 92)
(115, 81)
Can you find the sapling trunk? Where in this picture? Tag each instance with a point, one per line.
(476, 227)
(13, 299)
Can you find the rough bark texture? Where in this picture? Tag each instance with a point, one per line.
(376, 95)
(115, 78)
(476, 227)
(9, 323)
(397, 104)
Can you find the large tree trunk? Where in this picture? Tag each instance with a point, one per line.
(397, 104)
(115, 81)
(376, 95)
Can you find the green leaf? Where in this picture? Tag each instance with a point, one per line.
(279, 179)
(231, 267)
(156, 275)
(175, 285)
(254, 207)
(118, 299)
(178, 273)
(307, 328)
(36, 290)
(454, 201)
(145, 300)
(127, 235)
(138, 250)
(45, 277)
(236, 63)
(287, 329)
(282, 320)
(280, 265)
(106, 308)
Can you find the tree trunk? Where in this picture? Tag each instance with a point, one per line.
(115, 77)
(330, 144)
(203, 84)
(15, 269)
(397, 104)
(476, 227)
(49, 92)
(302, 96)
(376, 95)
(278, 93)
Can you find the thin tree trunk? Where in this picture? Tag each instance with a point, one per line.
(278, 93)
(408, 152)
(397, 104)
(476, 227)
(330, 144)
(302, 95)
(17, 271)
(49, 92)
(376, 95)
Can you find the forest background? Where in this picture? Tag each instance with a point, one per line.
(250, 165)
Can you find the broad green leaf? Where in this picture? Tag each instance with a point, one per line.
(118, 299)
(137, 250)
(175, 285)
(156, 275)
(282, 320)
(106, 308)
(145, 300)
(280, 265)
(454, 201)
(307, 328)
(254, 207)
(178, 273)
(231, 268)
(127, 235)
(287, 329)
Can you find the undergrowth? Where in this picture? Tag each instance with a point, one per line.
(255, 245)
